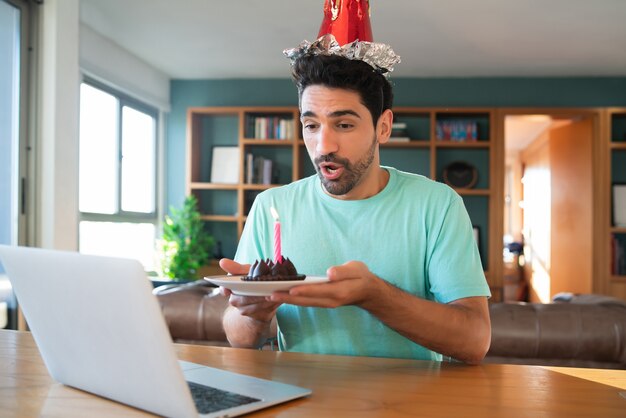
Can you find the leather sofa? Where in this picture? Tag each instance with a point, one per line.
(584, 331)
(193, 312)
(576, 331)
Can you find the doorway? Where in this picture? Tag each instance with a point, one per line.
(548, 208)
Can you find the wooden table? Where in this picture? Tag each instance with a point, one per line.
(342, 386)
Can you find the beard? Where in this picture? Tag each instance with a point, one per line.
(353, 172)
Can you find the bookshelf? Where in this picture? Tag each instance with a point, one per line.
(268, 133)
(617, 173)
(428, 152)
(274, 133)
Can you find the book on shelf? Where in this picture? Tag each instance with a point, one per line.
(456, 130)
(266, 178)
(249, 168)
(259, 170)
(399, 132)
(269, 127)
(618, 254)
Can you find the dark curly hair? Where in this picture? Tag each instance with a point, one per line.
(339, 72)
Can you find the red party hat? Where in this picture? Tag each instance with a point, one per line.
(347, 20)
(346, 32)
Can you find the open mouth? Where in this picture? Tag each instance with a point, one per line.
(331, 171)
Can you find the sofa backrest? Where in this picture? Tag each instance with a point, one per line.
(581, 333)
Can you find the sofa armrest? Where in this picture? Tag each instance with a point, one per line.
(193, 312)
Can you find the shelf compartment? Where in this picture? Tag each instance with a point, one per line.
(481, 121)
(217, 202)
(282, 162)
(618, 255)
(618, 128)
(416, 124)
(412, 160)
(618, 166)
(479, 158)
(209, 131)
(264, 125)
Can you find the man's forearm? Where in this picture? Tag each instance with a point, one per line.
(460, 329)
(243, 331)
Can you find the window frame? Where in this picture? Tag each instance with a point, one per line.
(121, 216)
(23, 229)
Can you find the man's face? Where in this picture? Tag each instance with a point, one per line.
(341, 140)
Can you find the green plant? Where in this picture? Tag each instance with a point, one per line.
(185, 245)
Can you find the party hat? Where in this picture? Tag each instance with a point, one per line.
(347, 21)
(346, 31)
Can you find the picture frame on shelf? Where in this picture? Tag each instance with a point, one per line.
(619, 204)
(225, 165)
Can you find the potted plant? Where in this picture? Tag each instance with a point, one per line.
(185, 246)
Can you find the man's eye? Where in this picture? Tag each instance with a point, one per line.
(310, 126)
(345, 125)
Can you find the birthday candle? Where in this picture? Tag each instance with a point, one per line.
(278, 258)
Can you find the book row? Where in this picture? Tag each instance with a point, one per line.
(269, 127)
(456, 130)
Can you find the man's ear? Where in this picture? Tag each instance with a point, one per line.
(383, 127)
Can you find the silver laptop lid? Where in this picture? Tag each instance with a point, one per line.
(99, 328)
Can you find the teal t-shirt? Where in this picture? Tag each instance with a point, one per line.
(415, 234)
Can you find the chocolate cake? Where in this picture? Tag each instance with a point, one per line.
(267, 271)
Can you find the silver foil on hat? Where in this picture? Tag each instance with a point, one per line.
(380, 56)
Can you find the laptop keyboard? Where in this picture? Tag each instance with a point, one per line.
(208, 399)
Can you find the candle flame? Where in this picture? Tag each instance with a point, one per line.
(274, 213)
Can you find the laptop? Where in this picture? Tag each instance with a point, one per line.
(100, 329)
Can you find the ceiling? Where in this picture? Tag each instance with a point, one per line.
(521, 130)
(199, 39)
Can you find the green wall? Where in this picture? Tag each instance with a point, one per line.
(454, 92)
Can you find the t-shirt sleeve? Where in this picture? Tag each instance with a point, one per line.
(454, 267)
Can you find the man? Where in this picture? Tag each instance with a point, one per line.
(405, 274)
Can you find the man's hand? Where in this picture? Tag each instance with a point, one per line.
(255, 307)
(233, 267)
(350, 284)
(249, 321)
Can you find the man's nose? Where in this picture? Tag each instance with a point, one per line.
(327, 142)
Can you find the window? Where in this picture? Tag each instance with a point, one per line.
(117, 175)
(12, 119)
(14, 42)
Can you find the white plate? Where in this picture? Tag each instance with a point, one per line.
(246, 288)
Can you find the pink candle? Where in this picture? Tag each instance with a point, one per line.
(278, 258)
